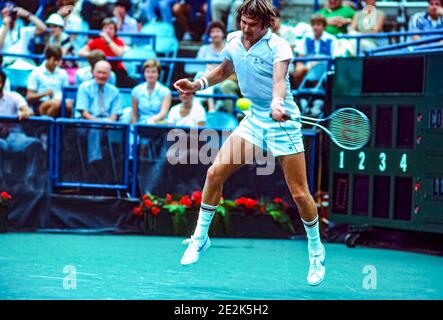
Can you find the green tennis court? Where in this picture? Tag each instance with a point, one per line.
(142, 267)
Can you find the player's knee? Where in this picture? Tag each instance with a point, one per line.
(301, 197)
(213, 175)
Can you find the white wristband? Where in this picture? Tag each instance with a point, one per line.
(277, 101)
(204, 83)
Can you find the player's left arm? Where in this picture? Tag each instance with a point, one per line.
(279, 89)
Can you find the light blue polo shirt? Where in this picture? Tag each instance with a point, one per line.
(254, 68)
(41, 80)
(149, 105)
(88, 99)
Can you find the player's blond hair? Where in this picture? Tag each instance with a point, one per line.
(261, 10)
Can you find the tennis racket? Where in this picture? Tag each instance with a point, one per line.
(348, 128)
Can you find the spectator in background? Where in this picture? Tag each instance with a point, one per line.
(151, 100)
(112, 46)
(85, 73)
(46, 82)
(97, 99)
(226, 10)
(58, 37)
(217, 33)
(124, 22)
(94, 11)
(70, 11)
(316, 44)
(427, 21)
(338, 17)
(187, 14)
(289, 33)
(16, 39)
(12, 138)
(368, 21)
(164, 7)
(189, 112)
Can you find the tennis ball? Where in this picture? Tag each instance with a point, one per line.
(244, 104)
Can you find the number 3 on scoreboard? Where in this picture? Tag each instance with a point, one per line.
(404, 162)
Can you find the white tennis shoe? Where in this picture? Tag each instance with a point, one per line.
(317, 268)
(194, 249)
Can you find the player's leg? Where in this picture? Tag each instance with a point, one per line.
(294, 168)
(232, 155)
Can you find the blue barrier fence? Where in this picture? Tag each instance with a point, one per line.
(60, 146)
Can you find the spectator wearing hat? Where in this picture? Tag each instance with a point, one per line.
(57, 36)
(319, 43)
(124, 22)
(112, 46)
(46, 82)
(16, 39)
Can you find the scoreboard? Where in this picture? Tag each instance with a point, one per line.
(396, 181)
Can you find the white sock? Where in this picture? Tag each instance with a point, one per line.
(204, 220)
(313, 233)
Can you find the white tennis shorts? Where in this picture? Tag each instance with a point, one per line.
(280, 138)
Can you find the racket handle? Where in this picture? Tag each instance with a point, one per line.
(285, 116)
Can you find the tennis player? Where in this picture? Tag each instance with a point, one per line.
(260, 59)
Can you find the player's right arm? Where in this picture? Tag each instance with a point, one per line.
(213, 77)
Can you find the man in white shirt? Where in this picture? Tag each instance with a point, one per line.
(46, 82)
(261, 60)
(12, 138)
(188, 113)
(15, 38)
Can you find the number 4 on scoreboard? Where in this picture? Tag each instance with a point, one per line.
(404, 162)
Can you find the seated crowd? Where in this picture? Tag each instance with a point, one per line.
(99, 79)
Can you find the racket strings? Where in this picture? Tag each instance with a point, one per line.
(350, 129)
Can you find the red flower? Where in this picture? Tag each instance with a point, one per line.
(168, 197)
(137, 211)
(155, 211)
(286, 205)
(146, 197)
(251, 203)
(241, 201)
(185, 201)
(278, 200)
(5, 195)
(148, 203)
(197, 197)
(262, 209)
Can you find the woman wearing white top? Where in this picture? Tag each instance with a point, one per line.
(189, 112)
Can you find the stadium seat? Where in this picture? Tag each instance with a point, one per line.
(314, 81)
(166, 41)
(221, 120)
(18, 74)
(166, 45)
